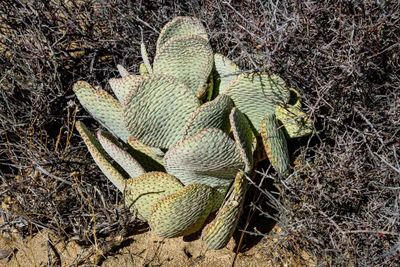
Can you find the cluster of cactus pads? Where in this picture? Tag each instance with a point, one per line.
(190, 122)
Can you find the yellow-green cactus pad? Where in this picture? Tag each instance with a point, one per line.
(218, 233)
(180, 27)
(145, 57)
(100, 157)
(143, 192)
(227, 71)
(257, 94)
(296, 122)
(209, 157)
(143, 69)
(121, 156)
(160, 109)
(244, 136)
(125, 87)
(103, 107)
(212, 114)
(183, 212)
(189, 59)
(275, 144)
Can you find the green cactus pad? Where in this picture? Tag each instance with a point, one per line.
(257, 94)
(145, 57)
(244, 137)
(180, 27)
(103, 107)
(158, 112)
(143, 192)
(213, 114)
(143, 69)
(227, 71)
(125, 87)
(209, 157)
(275, 144)
(121, 156)
(100, 157)
(296, 122)
(183, 212)
(189, 59)
(218, 233)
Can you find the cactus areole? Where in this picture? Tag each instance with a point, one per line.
(184, 132)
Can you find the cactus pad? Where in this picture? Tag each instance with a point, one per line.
(121, 156)
(152, 156)
(213, 114)
(122, 71)
(183, 212)
(100, 157)
(189, 59)
(275, 144)
(244, 137)
(179, 27)
(159, 110)
(295, 122)
(125, 87)
(103, 107)
(145, 57)
(146, 190)
(227, 71)
(257, 94)
(217, 234)
(209, 157)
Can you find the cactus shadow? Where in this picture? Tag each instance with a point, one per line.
(258, 215)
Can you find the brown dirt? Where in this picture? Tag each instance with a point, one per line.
(140, 250)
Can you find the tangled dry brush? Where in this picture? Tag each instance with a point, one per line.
(341, 205)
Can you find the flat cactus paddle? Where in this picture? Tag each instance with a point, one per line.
(295, 121)
(275, 144)
(209, 157)
(183, 212)
(122, 71)
(257, 94)
(121, 156)
(125, 87)
(243, 136)
(143, 69)
(226, 70)
(189, 59)
(158, 112)
(143, 192)
(103, 107)
(218, 233)
(212, 114)
(100, 157)
(145, 57)
(180, 27)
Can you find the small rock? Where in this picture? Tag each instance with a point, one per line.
(5, 253)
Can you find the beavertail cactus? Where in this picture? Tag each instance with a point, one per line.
(190, 122)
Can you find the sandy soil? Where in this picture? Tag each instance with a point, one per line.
(140, 250)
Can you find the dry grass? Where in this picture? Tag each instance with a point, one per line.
(342, 202)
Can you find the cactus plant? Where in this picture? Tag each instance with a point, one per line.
(191, 140)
